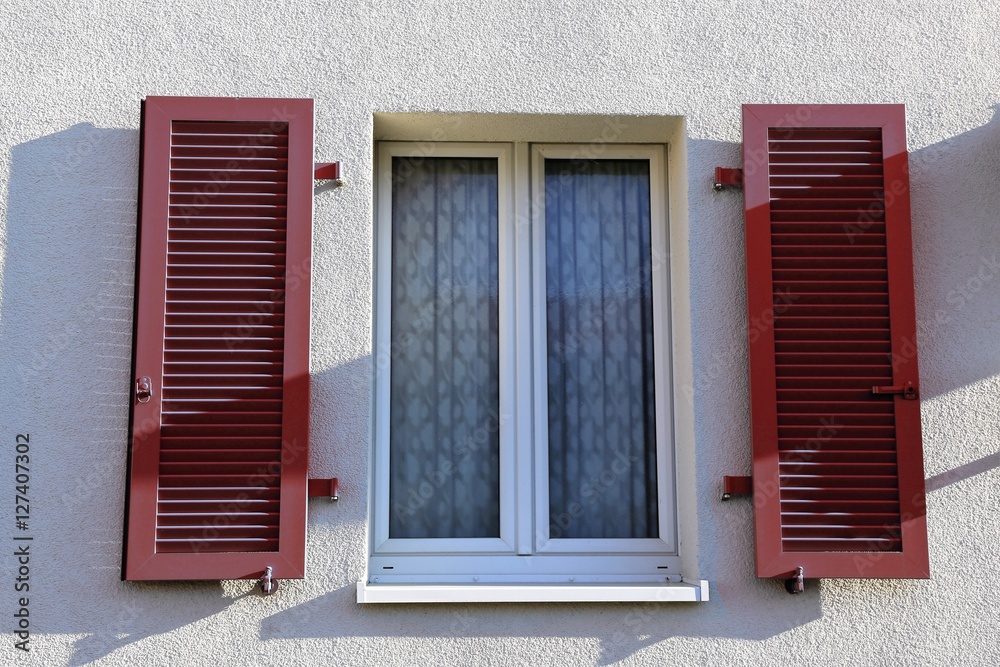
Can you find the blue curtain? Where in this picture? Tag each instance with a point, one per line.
(444, 386)
(601, 425)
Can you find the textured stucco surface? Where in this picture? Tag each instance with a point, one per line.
(73, 75)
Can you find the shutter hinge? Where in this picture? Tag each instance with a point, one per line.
(323, 488)
(268, 584)
(797, 583)
(908, 391)
(736, 486)
(325, 171)
(732, 178)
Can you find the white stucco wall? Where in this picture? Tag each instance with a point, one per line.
(73, 75)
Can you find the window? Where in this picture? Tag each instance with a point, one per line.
(523, 395)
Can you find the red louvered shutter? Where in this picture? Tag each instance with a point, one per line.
(219, 451)
(837, 468)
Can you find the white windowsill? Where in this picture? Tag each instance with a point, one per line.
(688, 591)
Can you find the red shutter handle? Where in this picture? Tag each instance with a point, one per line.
(143, 389)
(908, 391)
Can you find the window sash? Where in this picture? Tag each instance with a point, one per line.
(382, 543)
(523, 384)
(666, 542)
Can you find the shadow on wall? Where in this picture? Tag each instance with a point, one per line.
(66, 311)
(956, 248)
(65, 341)
(65, 353)
(957, 258)
(622, 629)
(68, 267)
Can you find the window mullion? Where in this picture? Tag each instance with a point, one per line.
(539, 401)
(507, 307)
(521, 234)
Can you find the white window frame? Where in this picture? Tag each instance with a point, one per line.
(659, 275)
(524, 554)
(382, 543)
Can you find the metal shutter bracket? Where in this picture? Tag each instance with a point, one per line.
(727, 178)
(324, 488)
(736, 486)
(742, 485)
(328, 171)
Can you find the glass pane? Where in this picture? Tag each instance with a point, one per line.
(599, 311)
(444, 387)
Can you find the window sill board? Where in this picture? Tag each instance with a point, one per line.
(688, 591)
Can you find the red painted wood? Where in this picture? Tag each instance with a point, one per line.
(838, 470)
(218, 456)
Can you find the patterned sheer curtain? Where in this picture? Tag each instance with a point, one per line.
(601, 417)
(444, 385)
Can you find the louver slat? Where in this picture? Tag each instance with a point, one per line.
(217, 482)
(838, 473)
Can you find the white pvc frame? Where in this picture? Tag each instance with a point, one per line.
(666, 505)
(381, 542)
(523, 552)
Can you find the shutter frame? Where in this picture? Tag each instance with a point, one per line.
(141, 559)
(773, 560)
